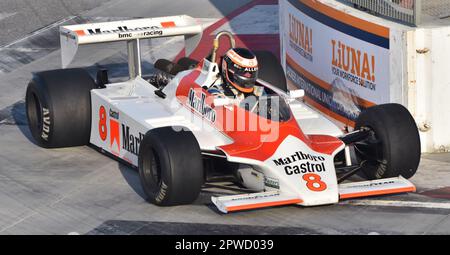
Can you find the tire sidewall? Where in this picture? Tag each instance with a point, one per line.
(180, 182)
(65, 95)
(157, 195)
(40, 91)
(395, 128)
(379, 171)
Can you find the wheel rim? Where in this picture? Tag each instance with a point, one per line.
(152, 170)
(371, 151)
(34, 110)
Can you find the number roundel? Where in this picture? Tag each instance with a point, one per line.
(102, 128)
(314, 182)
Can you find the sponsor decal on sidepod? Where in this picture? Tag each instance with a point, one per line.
(199, 105)
(131, 142)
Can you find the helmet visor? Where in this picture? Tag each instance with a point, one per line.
(244, 77)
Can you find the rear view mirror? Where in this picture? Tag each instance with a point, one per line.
(296, 94)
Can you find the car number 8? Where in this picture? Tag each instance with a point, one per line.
(102, 128)
(314, 182)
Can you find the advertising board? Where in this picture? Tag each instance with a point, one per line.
(341, 61)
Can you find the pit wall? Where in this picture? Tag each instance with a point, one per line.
(347, 60)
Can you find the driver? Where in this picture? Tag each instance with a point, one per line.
(239, 75)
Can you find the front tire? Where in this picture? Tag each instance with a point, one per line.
(170, 166)
(58, 107)
(393, 148)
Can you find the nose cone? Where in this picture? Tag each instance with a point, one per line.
(304, 171)
(262, 142)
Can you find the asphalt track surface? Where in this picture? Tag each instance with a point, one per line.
(80, 191)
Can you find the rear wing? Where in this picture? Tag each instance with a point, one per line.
(131, 31)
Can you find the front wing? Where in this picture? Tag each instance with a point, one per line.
(234, 203)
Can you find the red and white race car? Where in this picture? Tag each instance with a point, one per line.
(179, 135)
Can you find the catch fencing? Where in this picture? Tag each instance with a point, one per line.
(404, 11)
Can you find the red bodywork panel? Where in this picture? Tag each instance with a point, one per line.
(251, 140)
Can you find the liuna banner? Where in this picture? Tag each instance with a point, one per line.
(342, 62)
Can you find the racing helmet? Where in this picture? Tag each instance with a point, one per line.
(240, 69)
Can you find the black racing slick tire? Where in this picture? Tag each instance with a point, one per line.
(168, 66)
(393, 147)
(270, 69)
(170, 166)
(58, 107)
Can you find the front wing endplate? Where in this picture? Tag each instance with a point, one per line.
(375, 188)
(253, 201)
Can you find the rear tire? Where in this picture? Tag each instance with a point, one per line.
(270, 69)
(170, 167)
(397, 150)
(187, 63)
(58, 107)
(168, 66)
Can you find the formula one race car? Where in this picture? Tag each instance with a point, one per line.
(180, 136)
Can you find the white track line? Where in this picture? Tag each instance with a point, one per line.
(4, 15)
(393, 203)
(39, 31)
